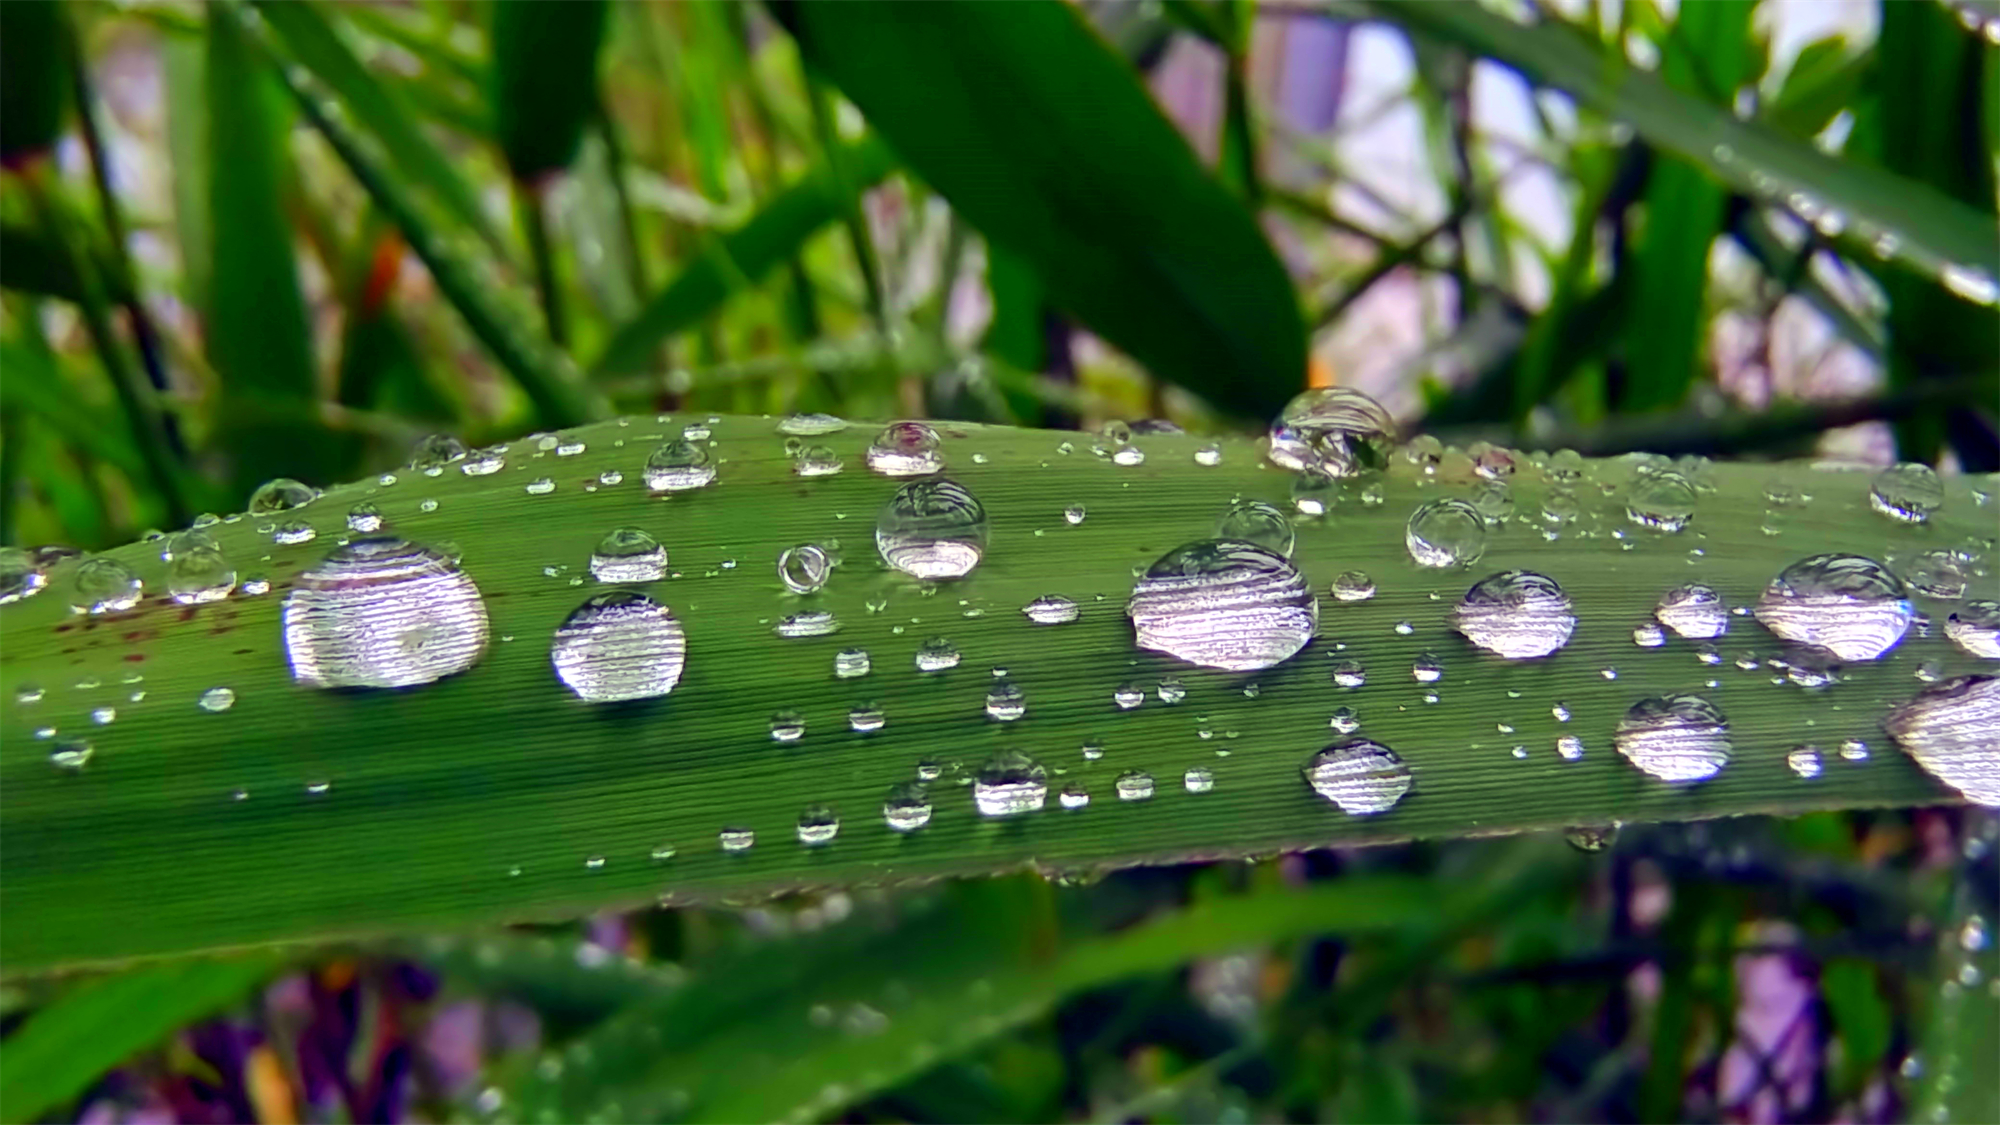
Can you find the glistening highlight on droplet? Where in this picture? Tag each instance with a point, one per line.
(932, 529)
(618, 646)
(1516, 613)
(1850, 605)
(1681, 738)
(382, 612)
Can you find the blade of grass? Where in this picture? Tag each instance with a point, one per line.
(98, 1024)
(436, 794)
(35, 385)
(544, 82)
(34, 80)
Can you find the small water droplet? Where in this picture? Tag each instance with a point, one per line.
(663, 852)
(1694, 611)
(1074, 514)
(1847, 604)
(1225, 604)
(1362, 777)
(1349, 674)
(197, 570)
(1127, 696)
(281, 495)
(484, 462)
(105, 585)
(850, 663)
(104, 716)
(807, 623)
(364, 519)
(1314, 491)
(1171, 691)
(1516, 613)
(1009, 783)
(1051, 609)
(1254, 521)
(1134, 785)
(1074, 796)
(71, 754)
(1679, 738)
(905, 449)
(937, 655)
(1005, 702)
(1353, 586)
(1128, 455)
(907, 807)
(932, 529)
(1649, 635)
(1907, 492)
(1445, 533)
(804, 569)
(818, 826)
(1494, 501)
(736, 840)
(1570, 747)
(1427, 669)
(865, 718)
(1854, 750)
(1975, 628)
(382, 612)
(1345, 720)
(617, 646)
(1337, 429)
(540, 486)
(628, 554)
(1663, 501)
(816, 461)
(1208, 456)
(680, 465)
(217, 699)
(28, 693)
(1592, 837)
(811, 425)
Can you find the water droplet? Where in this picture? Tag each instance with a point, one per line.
(253, 587)
(433, 453)
(907, 807)
(1847, 604)
(787, 726)
(1314, 491)
(104, 716)
(619, 645)
(736, 841)
(628, 554)
(20, 576)
(1427, 669)
(484, 462)
(1907, 492)
(1491, 461)
(1349, 674)
(807, 623)
(105, 585)
(1353, 586)
(865, 718)
(1051, 609)
(811, 425)
(803, 569)
(217, 699)
(937, 655)
(932, 529)
(1592, 837)
(1445, 533)
(1516, 613)
(364, 519)
(816, 461)
(1127, 696)
(905, 449)
(1170, 690)
(1207, 456)
(197, 570)
(610, 477)
(1005, 702)
(1663, 501)
(1971, 282)
(818, 826)
(569, 447)
(679, 465)
(1975, 627)
(382, 612)
(1494, 502)
(540, 486)
(1128, 455)
(850, 663)
(1570, 747)
(1938, 573)
(1854, 750)
(281, 495)
(1337, 429)
(1254, 521)
(1359, 775)
(27, 694)
(1134, 785)
(1225, 604)
(1649, 635)
(1074, 796)
(1344, 720)
(71, 754)
(663, 852)
(1694, 611)
(1675, 738)
(1009, 783)
(1952, 729)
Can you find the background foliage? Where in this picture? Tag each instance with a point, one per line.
(242, 240)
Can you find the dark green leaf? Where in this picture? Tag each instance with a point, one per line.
(544, 80)
(732, 261)
(35, 385)
(34, 77)
(1043, 138)
(1824, 79)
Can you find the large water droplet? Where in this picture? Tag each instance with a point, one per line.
(1446, 533)
(281, 495)
(679, 465)
(905, 449)
(1516, 613)
(1675, 738)
(1359, 775)
(1940, 574)
(1254, 521)
(907, 807)
(811, 425)
(1009, 783)
(198, 571)
(382, 612)
(628, 554)
(1952, 729)
(1908, 492)
(1074, 796)
(1337, 429)
(1847, 604)
(1134, 785)
(937, 655)
(619, 645)
(1976, 629)
(1663, 501)
(1353, 586)
(105, 585)
(1051, 609)
(1694, 611)
(1224, 603)
(932, 529)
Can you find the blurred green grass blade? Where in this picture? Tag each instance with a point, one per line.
(1015, 335)
(315, 42)
(34, 78)
(774, 235)
(95, 1026)
(1929, 231)
(30, 262)
(1825, 78)
(1707, 56)
(482, 796)
(544, 81)
(491, 312)
(381, 367)
(183, 64)
(257, 334)
(1960, 1033)
(563, 979)
(1078, 173)
(36, 385)
(802, 1028)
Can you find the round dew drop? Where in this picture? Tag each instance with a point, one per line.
(282, 494)
(1005, 702)
(1336, 429)
(364, 519)
(1694, 611)
(679, 465)
(1198, 779)
(1223, 603)
(628, 554)
(736, 841)
(1907, 492)
(932, 529)
(1975, 628)
(1074, 514)
(217, 699)
(1516, 613)
(1445, 533)
(1314, 491)
(804, 569)
(865, 718)
(618, 646)
(1353, 586)
(1074, 796)
(1662, 501)
(1678, 738)
(1804, 761)
(540, 486)
(937, 655)
(105, 585)
(811, 425)
(907, 807)
(1008, 784)
(1254, 521)
(807, 623)
(1849, 605)
(1360, 776)
(905, 449)
(1134, 785)
(851, 663)
(382, 612)
(816, 461)
(1051, 609)
(198, 571)
(818, 826)
(787, 726)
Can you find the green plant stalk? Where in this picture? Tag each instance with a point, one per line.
(141, 409)
(528, 205)
(435, 796)
(848, 188)
(547, 377)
